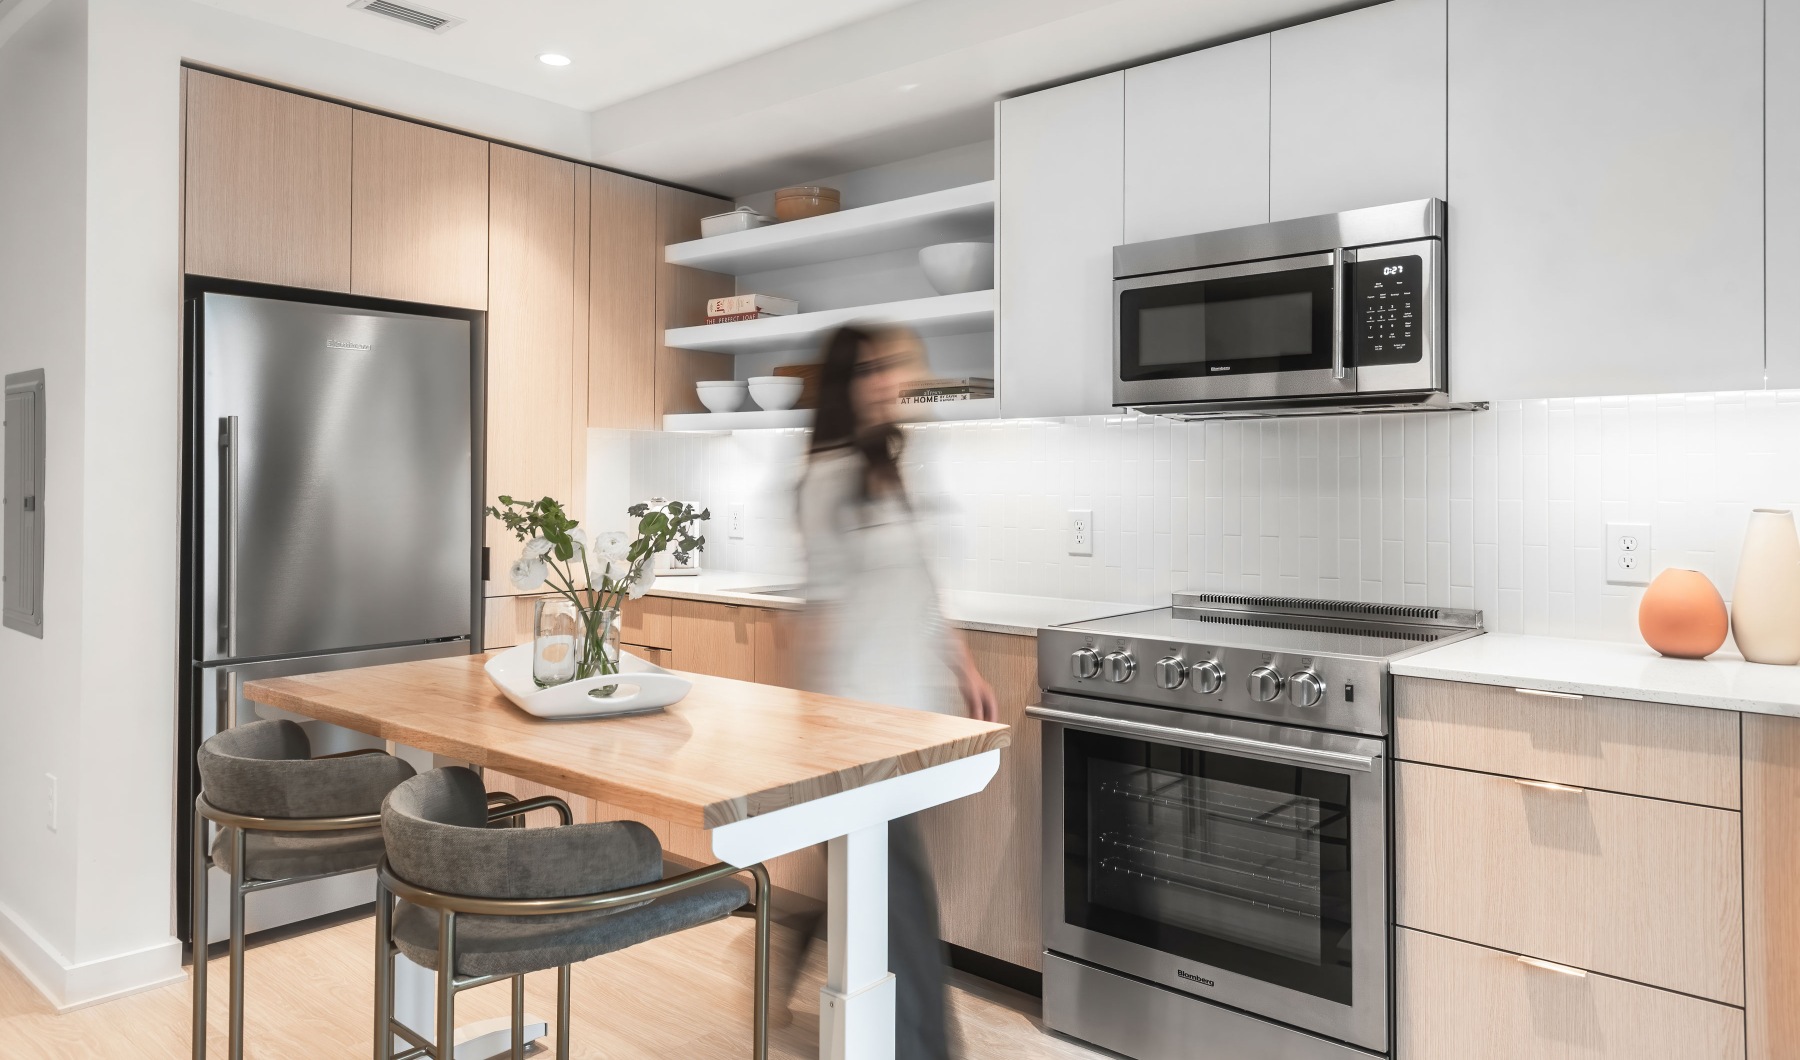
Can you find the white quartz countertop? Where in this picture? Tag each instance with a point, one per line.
(990, 612)
(1612, 669)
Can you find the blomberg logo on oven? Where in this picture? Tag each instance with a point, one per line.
(1192, 978)
(334, 344)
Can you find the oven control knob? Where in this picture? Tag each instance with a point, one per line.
(1265, 684)
(1170, 672)
(1305, 689)
(1207, 677)
(1118, 666)
(1086, 663)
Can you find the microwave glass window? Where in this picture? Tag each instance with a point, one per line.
(1277, 321)
(1233, 862)
(1389, 312)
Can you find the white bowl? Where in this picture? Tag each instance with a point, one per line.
(722, 395)
(776, 392)
(957, 268)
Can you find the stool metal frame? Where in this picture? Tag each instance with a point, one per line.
(449, 906)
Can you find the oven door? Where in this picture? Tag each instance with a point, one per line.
(1239, 862)
(1264, 329)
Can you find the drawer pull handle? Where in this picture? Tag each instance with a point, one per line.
(1552, 966)
(1545, 785)
(1546, 693)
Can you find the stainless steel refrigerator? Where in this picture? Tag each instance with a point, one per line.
(332, 519)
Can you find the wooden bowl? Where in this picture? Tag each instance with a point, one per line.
(805, 200)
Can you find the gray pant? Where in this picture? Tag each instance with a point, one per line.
(915, 954)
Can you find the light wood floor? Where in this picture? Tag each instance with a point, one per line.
(686, 997)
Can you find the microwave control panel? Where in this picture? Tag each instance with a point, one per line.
(1388, 309)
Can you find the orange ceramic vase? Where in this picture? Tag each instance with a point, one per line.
(1682, 615)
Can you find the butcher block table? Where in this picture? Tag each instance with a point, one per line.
(765, 770)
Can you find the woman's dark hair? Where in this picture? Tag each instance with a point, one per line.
(836, 424)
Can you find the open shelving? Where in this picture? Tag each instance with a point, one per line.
(945, 314)
(978, 409)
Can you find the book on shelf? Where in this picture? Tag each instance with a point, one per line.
(934, 397)
(729, 317)
(767, 304)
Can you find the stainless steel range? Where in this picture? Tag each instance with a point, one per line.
(1216, 824)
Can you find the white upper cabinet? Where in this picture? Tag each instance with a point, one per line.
(1061, 165)
(1783, 182)
(1356, 110)
(1197, 142)
(1606, 197)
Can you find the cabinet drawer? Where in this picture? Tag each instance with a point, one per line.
(1688, 754)
(1455, 1001)
(1637, 888)
(647, 622)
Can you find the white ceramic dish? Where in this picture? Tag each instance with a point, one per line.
(639, 688)
(722, 395)
(776, 392)
(958, 268)
(741, 219)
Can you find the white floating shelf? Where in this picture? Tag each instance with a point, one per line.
(954, 215)
(945, 314)
(978, 409)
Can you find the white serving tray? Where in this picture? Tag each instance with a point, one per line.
(642, 687)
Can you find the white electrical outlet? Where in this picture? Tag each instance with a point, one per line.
(50, 808)
(736, 520)
(1628, 553)
(1081, 532)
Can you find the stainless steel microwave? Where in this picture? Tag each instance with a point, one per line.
(1336, 313)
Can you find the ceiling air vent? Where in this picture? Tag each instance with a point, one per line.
(411, 14)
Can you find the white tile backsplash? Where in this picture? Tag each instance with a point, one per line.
(1502, 510)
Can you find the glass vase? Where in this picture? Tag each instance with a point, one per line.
(571, 643)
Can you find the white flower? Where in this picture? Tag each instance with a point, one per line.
(529, 572)
(617, 569)
(612, 544)
(537, 548)
(642, 583)
(579, 538)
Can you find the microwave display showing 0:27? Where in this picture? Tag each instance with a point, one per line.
(1390, 309)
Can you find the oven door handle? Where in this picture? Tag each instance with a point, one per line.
(1206, 741)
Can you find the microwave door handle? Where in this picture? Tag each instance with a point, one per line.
(1207, 741)
(1343, 257)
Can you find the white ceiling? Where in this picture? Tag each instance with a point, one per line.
(620, 48)
(738, 96)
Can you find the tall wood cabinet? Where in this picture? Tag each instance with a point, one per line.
(419, 213)
(266, 185)
(625, 329)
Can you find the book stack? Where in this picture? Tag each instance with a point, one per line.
(930, 391)
(748, 307)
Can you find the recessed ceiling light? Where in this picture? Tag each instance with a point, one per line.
(553, 59)
(908, 87)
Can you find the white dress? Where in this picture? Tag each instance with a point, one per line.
(874, 627)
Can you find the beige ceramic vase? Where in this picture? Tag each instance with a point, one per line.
(1765, 602)
(1682, 615)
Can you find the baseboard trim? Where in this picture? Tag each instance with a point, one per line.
(995, 970)
(71, 985)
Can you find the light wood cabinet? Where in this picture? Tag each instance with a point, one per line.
(1772, 886)
(647, 621)
(1641, 889)
(1456, 1001)
(267, 185)
(716, 639)
(1606, 176)
(1653, 749)
(986, 850)
(1062, 189)
(625, 330)
(681, 297)
(777, 648)
(1356, 111)
(419, 214)
(532, 426)
(1197, 141)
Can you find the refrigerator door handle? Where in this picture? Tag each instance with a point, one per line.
(227, 602)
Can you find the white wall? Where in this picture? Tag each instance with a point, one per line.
(100, 96)
(43, 94)
(1503, 510)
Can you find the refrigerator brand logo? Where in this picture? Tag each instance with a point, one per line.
(1192, 978)
(334, 344)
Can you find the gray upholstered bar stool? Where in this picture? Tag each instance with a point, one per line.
(286, 817)
(480, 904)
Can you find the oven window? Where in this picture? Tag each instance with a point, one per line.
(1231, 862)
(1238, 325)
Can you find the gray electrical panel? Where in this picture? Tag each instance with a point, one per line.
(22, 530)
